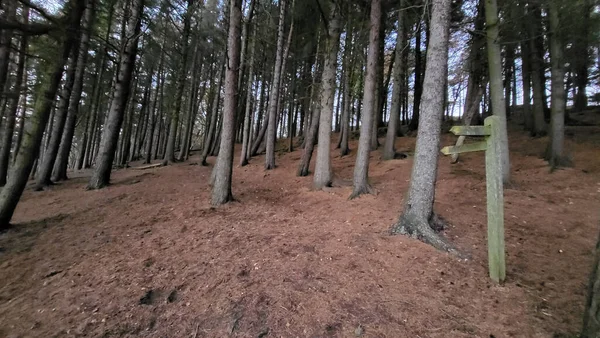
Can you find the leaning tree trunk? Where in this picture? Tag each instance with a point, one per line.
(361, 168)
(222, 172)
(249, 101)
(274, 96)
(32, 138)
(9, 124)
(389, 150)
(62, 160)
(496, 89)
(60, 118)
(323, 175)
(418, 207)
(181, 76)
(106, 153)
(555, 153)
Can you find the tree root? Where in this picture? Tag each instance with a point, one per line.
(425, 231)
(361, 190)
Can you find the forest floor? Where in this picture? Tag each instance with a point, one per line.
(149, 257)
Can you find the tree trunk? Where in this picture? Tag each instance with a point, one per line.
(418, 213)
(349, 68)
(526, 71)
(539, 124)
(9, 124)
(5, 42)
(106, 153)
(414, 121)
(249, 102)
(496, 90)
(62, 160)
(181, 75)
(210, 133)
(581, 61)
(591, 315)
(389, 150)
(361, 168)
(32, 138)
(555, 153)
(222, 172)
(323, 174)
(274, 96)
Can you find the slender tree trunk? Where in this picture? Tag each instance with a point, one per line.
(323, 174)
(210, 133)
(222, 172)
(274, 96)
(62, 160)
(389, 150)
(555, 153)
(418, 213)
(349, 68)
(414, 121)
(526, 74)
(249, 101)
(581, 61)
(181, 75)
(106, 154)
(5, 42)
(361, 168)
(539, 124)
(9, 124)
(12, 191)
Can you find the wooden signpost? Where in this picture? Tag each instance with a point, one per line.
(495, 195)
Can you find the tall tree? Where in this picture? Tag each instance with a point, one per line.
(222, 172)
(32, 138)
(361, 167)
(389, 150)
(108, 146)
(418, 216)
(274, 95)
(323, 174)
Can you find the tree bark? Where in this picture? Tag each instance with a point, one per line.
(222, 172)
(62, 160)
(9, 124)
(591, 315)
(12, 191)
(274, 96)
(389, 150)
(106, 153)
(249, 102)
(323, 173)
(418, 213)
(555, 153)
(212, 127)
(361, 168)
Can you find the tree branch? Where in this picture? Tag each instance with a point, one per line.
(40, 11)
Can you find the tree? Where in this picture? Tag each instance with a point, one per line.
(555, 153)
(108, 146)
(32, 138)
(496, 87)
(418, 217)
(222, 172)
(591, 315)
(274, 95)
(323, 173)
(389, 150)
(361, 167)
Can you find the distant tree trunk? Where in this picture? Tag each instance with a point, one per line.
(348, 69)
(5, 42)
(323, 174)
(9, 124)
(181, 75)
(222, 172)
(389, 150)
(539, 124)
(496, 90)
(418, 213)
(60, 118)
(272, 114)
(414, 121)
(59, 171)
(249, 102)
(526, 71)
(210, 133)
(581, 44)
(361, 168)
(32, 138)
(188, 123)
(555, 153)
(106, 153)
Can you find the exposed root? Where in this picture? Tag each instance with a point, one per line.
(361, 190)
(425, 231)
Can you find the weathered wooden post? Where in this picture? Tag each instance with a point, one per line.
(495, 193)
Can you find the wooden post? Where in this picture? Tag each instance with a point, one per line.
(495, 201)
(495, 194)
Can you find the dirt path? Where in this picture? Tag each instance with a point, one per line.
(148, 257)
